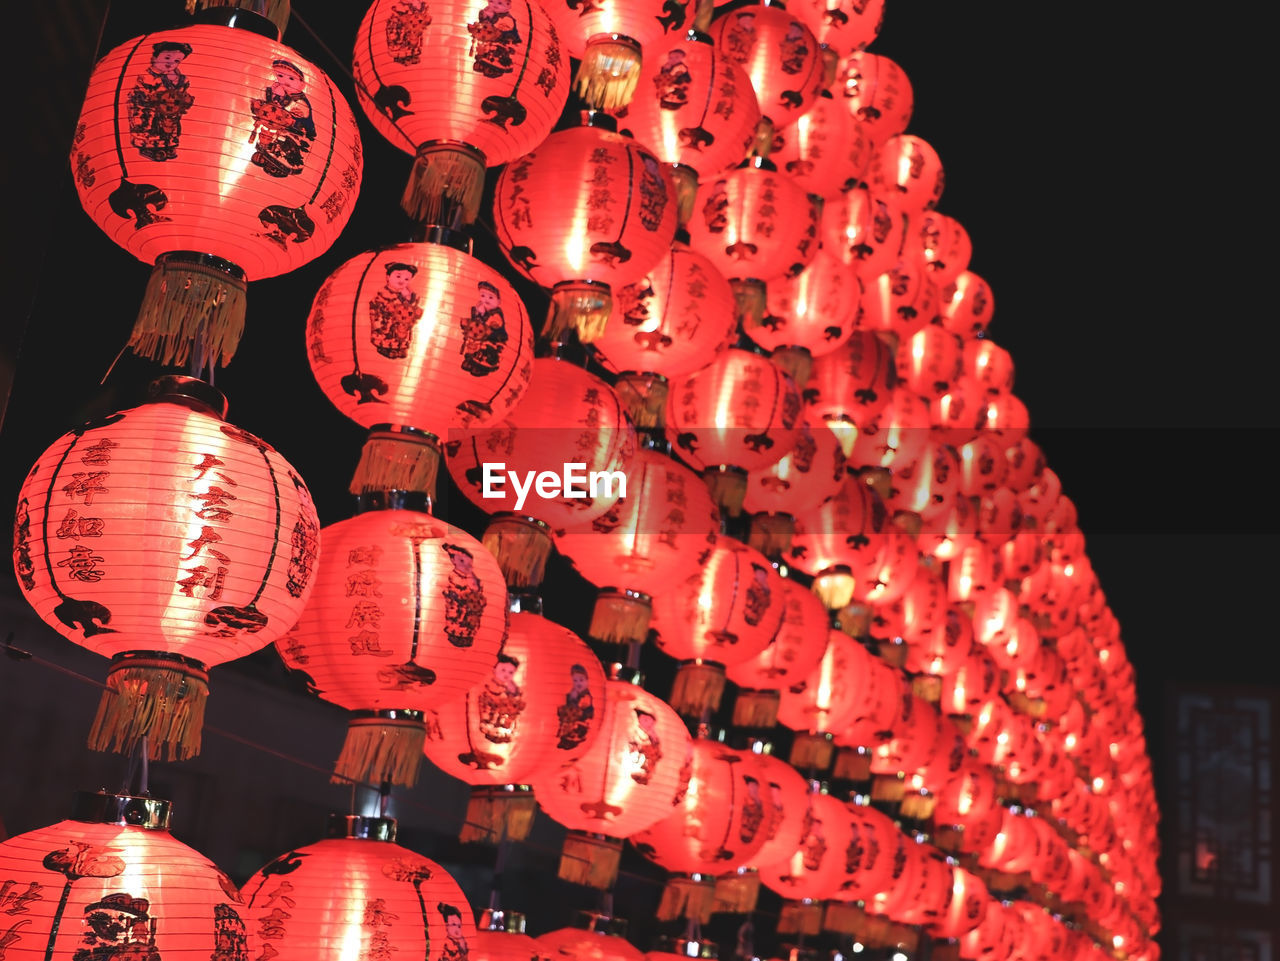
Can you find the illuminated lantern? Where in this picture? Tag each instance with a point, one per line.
(658, 536)
(894, 899)
(850, 386)
(780, 55)
(673, 322)
(718, 824)
(816, 310)
(972, 573)
(967, 305)
(989, 364)
(168, 540)
(826, 150)
(909, 169)
(815, 869)
(959, 415)
(810, 475)
(927, 898)
(939, 637)
(899, 437)
(627, 780)
(726, 613)
(567, 416)
(842, 25)
(983, 466)
(1008, 415)
(954, 529)
(964, 907)
(500, 936)
(112, 882)
(461, 86)
(986, 941)
(221, 156)
(610, 37)
(898, 302)
(740, 413)
(837, 542)
(586, 212)
(537, 706)
(877, 93)
(944, 245)
(746, 224)
(595, 937)
(410, 612)
(390, 897)
(1026, 463)
(970, 688)
(916, 732)
(868, 860)
(865, 230)
(929, 361)
(419, 335)
(829, 697)
(927, 489)
(795, 650)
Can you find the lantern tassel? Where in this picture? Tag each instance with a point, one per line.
(382, 747)
(590, 859)
(521, 546)
(796, 361)
(800, 917)
(834, 588)
(191, 305)
(497, 814)
(583, 307)
(277, 11)
(812, 752)
(848, 919)
(645, 398)
(446, 185)
(698, 687)
(750, 296)
(689, 896)
(405, 460)
(162, 699)
(621, 617)
(609, 72)
(737, 893)
(771, 534)
(756, 709)
(728, 487)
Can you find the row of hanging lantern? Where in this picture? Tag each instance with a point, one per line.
(801, 327)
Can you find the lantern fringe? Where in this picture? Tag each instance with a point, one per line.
(893, 652)
(750, 297)
(521, 546)
(918, 807)
(848, 919)
(590, 860)
(763, 145)
(277, 11)
(687, 896)
(927, 687)
(583, 307)
(381, 750)
(812, 752)
(160, 699)
(852, 765)
(698, 687)
(771, 534)
(645, 398)
(686, 181)
(728, 487)
(609, 72)
(496, 814)
(445, 186)
(397, 460)
(756, 709)
(737, 893)
(796, 361)
(855, 619)
(620, 618)
(190, 307)
(834, 588)
(888, 788)
(800, 917)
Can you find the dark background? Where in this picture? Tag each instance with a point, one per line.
(1115, 188)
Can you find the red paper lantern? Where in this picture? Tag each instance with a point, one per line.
(986, 941)
(462, 87)
(696, 108)
(845, 533)
(356, 892)
(500, 937)
(419, 335)
(928, 487)
(878, 93)
(868, 860)
(968, 690)
(916, 731)
(954, 529)
(827, 151)
(909, 169)
(786, 794)
(983, 466)
(865, 229)
(221, 156)
(170, 541)
(674, 321)
(627, 780)
(1008, 415)
(894, 900)
(816, 310)
(960, 414)
(899, 436)
(929, 361)
(944, 247)
(932, 890)
(989, 364)
(852, 384)
(586, 212)
(780, 55)
(538, 706)
(965, 905)
(810, 475)
(595, 938)
(567, 416)
(815, 869)
(829, 697)
(967, 305)
(795, 650)
(410, 612)
(898, 302)
(967, 797)
(112, 882)
(842, 25)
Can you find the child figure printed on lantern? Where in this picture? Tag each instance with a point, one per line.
(394, 312)
(455, 946)
(740, 38)
(118, 927)
(715, 212)
(463, 598)
(672, 81)
(759, 596)
(406, 24)
(494, 38)
(653, 193)
(159, 98)
(577, 711)
(283, 126)
(644, 747)
(501, 702)
(484, 332)
(752, 811)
